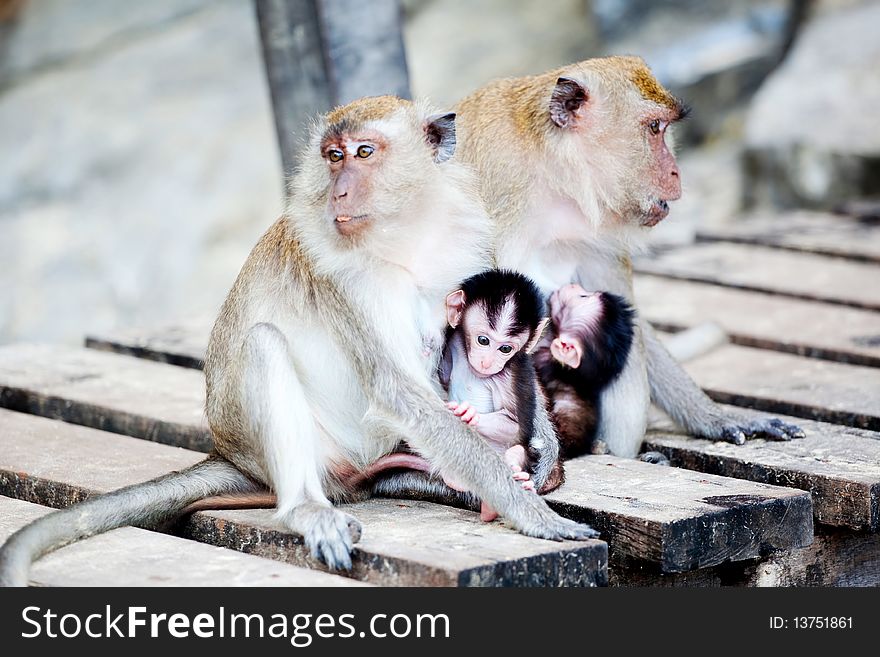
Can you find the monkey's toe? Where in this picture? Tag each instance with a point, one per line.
(657, 458)
(733, 434)
(775, 429)
(330, 537)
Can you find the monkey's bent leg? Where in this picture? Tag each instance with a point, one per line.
(148, 504)
(280, 419)
(692, 409)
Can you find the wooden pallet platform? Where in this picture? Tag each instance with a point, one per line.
(405, 543)
(765, 321)
(834, 281)
(136, 557)
(125, 395)
(646, 514)
(839, 465)
(789, 384)
(802, 230)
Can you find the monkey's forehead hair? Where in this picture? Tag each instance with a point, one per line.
(635, 71)
(356, 114)
(494, 288)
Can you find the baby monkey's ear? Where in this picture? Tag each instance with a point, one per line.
(539, 331)
(455, 302)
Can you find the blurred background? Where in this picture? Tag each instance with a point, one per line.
(139, 160)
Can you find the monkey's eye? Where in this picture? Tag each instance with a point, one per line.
(654, 126)
(483, 340)
(335, 155)
(365, 151)
(505, 349)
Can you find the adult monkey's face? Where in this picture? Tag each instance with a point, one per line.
(611, 118)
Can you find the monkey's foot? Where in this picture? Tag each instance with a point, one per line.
(736, 430)
(330, 534)
(657, 458)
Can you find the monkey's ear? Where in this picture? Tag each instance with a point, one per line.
(455, 307)
(440, 133)
(539, 331)
(567, 99)
(566, 353)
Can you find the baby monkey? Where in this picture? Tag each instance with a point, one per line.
(494, 322)
(583, 353)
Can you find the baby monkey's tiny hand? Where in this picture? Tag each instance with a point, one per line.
(465, 412)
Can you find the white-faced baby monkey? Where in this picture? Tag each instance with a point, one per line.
(585, 350)
(495, 320)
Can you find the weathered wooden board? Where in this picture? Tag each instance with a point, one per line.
(180, 344)
(125, 395)
(839, 466)
(57, 464)
(643, 510)
(408, 543)
(679, 521)
(753, 319)
(789, 384)
(802, 230)
(836, 557)
(135, 557)
(766, 269)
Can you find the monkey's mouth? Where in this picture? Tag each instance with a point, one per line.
(351, 225)
(657, 213)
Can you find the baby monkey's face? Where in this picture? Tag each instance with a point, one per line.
(490, 348)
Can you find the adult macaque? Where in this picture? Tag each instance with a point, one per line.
(325, 350)
(573, 168)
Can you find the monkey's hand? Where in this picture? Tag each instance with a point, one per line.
(535, 518)
(736, 427)
(464, 412)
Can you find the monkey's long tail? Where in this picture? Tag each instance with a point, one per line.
(145, 505)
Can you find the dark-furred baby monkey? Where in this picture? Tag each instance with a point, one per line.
(585, 350)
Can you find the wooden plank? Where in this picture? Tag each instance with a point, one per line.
(676, 520)
(408, 543)
(793, 385)
(765, 269)
(839, 466)
(181, 344)
(802, 230)
(836, 557)
(766, 321)
(644, 510)
(126, 395)
(322, 53)
(135, 557)
(404, 543)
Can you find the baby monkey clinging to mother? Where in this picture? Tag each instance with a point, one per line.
(494, 321)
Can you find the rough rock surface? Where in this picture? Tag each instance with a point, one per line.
(812, 134)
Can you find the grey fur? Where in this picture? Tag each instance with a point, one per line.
(692, 409)
(147, 505)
